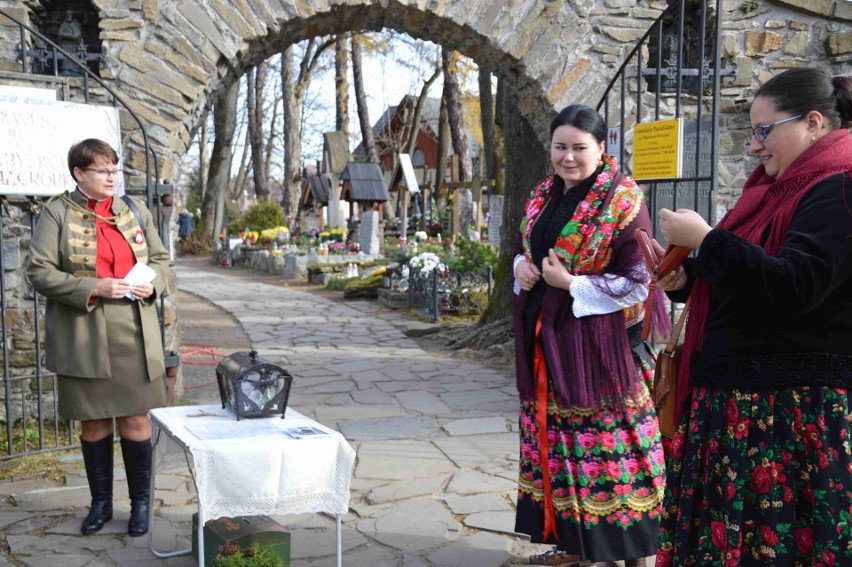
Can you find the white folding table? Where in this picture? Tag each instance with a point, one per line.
(254, 467)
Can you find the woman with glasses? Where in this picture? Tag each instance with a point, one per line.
(760, 471)
(102, 335)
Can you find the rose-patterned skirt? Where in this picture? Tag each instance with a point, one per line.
(760, 478)
(606, 476)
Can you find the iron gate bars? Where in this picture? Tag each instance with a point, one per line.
(678, 62)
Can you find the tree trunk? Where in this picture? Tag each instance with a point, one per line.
(413, 132)
(361, 102)
(270, 141)
(441, 193)
(224, 124)
(529, 165)
(292, 136)
(486, 105)
(449, 61)
(367, 138)
(203, 165)
(414, 129)
(341, 85)
(293, 90)
(245, 163)
(254, 99)
(499, 140)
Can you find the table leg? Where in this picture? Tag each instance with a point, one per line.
(339, 538)
(201, 522)
(155, 438)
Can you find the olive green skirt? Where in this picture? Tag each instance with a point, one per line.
(128, 392)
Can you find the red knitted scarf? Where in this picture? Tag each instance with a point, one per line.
(765, 202)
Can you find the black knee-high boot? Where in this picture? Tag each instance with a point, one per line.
(137, 463)
(97, 457)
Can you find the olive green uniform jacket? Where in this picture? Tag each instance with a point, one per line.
(63, 268)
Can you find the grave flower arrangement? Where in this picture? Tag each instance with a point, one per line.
(279, 234)
(335, 247)
(230, 555)
(426, 262)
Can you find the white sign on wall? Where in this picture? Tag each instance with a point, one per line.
(613, 142)
(35, 138)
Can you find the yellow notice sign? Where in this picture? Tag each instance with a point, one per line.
(657, 149)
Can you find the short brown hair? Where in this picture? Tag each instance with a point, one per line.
(83, 154)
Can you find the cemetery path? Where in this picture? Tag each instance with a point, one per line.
(435, 436)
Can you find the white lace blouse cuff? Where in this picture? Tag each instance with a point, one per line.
(589, 299)
(516, 287)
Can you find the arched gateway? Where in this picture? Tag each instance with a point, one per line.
(170, 58)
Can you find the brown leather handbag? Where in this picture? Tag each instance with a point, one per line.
(665, 378)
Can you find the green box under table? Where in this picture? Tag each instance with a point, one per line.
(242, 531)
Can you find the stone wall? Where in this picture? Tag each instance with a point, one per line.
(759, 40)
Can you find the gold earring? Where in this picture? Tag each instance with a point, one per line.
(600, 161)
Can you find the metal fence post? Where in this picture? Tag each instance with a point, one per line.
(436, 312)
(490, 280)
(410, 287)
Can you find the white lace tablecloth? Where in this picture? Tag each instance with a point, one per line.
(266, 473)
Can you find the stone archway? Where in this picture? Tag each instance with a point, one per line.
(170, 58)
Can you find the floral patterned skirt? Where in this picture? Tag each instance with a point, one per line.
(606, 470)
(760, 478)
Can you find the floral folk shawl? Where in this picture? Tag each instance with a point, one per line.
(588, 359)
(585, 242)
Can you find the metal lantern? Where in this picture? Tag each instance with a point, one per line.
(251, 386)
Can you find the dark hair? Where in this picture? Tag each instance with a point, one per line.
(799, 91)
(583, 118)
(83, 154)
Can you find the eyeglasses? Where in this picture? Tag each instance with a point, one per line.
(103, 172)
(761, 132)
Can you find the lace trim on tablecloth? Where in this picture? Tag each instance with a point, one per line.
(333, 501)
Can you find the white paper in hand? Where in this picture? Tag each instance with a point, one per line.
(140, 273)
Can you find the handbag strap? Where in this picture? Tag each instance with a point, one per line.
(672, 342)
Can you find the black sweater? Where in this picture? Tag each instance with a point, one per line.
(783, 320)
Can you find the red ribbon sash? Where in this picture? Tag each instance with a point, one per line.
(540, 370)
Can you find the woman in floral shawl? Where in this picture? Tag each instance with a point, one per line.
(761, 470)
(591, 463)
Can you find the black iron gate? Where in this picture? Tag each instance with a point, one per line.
(674, 71)
(32, 421)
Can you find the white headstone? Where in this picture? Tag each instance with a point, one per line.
(369, 233)
(495, 219)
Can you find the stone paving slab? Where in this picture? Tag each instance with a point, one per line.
(500, 522)
(409, 427)
(477, 550)
(404, 490)
(477, 503)
(477, 426)
(413, 526)
(400, 460)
